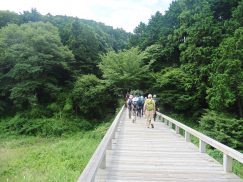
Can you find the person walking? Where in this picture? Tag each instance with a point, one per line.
(129, 106)
(126, 98)
(149, 109)
(140, 106)
(134, 109)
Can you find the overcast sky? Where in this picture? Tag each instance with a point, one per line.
(126, 14)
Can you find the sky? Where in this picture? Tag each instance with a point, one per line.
(126, 14)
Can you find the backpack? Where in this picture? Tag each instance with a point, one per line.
(134, 104)
(140, 103)
(129, 103)
(149, 104)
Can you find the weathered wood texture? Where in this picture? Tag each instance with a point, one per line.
(98, 160)
(229, 153)
(142, 154)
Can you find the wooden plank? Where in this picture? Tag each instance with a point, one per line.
(144, 154)
(223, 148)
(98, 157)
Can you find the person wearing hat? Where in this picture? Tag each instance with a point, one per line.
(149, 109)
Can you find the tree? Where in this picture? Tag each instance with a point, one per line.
(174, 88)
(222, 9)
(92, 98)
(139, 36)
(84, 44)
(199, 38)
(8, 17)
(31, 16)
(226, 89)
(223, 127)
(124, 70)
(34, 63)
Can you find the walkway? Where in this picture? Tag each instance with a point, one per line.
(144, 154)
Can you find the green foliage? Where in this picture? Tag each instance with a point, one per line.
(197, 51)
(222, 9)
(34, 61)
(85, 46)
(7, 17)
(35, 67)
(61, 159)
(218, 155)
(224, 128)
(124, 70)
(28, 124)
(88, 39)
(175, 91)
(31, 16)
(238, 14)
(226, 78)
(92, 98)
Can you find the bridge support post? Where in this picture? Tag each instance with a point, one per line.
(227, 163)
(202, 146)
(177, 129)
(187, 136)
(165, 121)
(170, 125)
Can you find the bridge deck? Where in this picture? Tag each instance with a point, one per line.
(145, 154)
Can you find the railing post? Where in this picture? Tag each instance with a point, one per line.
(177, 129)
(202, 146)
(170, 125)
(227, 163)
(187, 136)
(109, 146)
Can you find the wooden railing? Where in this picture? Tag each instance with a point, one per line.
(229, 153)
(99, 157)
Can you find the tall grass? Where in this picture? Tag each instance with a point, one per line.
(33, 158)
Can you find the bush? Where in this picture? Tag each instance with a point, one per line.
(20, 124)
(224, 128)
(92, 98)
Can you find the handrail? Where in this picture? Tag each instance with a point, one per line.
(99, 156)
(228, 152)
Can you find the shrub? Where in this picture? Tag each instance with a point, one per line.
(92, 98)
(20, 124)
(224, 128)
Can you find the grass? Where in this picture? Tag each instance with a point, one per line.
(217, 155)
(29, 158)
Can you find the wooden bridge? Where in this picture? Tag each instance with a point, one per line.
(132, 152)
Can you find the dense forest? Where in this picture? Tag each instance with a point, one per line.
(62, 74)
(197, 53)
(48, 68)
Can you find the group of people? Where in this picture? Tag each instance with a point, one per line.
(140, 105)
